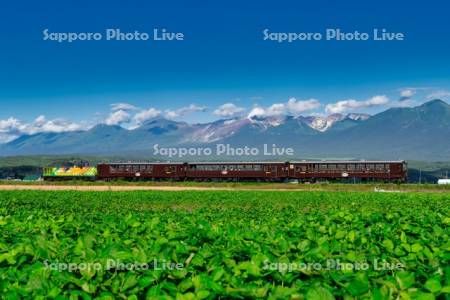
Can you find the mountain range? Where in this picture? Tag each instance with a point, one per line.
(418, 133)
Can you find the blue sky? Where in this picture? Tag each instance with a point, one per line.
(223, 58)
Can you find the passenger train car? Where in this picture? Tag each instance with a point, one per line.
(303, 171)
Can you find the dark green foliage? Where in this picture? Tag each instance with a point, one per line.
(225, 240)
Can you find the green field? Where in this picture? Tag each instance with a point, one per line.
(224, 244)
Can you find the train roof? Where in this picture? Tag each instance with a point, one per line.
(261, 162)
(142, 163)
(348, 161)
(300, 161)
(195, 163)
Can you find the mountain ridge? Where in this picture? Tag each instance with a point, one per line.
(420, 132)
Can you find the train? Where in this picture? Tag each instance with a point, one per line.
(297, 171)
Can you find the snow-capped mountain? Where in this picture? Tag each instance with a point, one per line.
(322, 124)
(417, 133)
(215, 131)
(358, 117)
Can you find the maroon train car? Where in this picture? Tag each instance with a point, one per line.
(303, 171)
(348, 170)
(174, 171)
(264, 171)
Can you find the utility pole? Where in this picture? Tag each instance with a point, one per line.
(420, 176)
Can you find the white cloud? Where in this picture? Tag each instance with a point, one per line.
(296, 107)
(291, 107)
(145, 115)
(351, 104)
(228, 110)
(56, 125)
(407, 93)
(173, 114)
(442, 94)
(118, 117)
(12, 128)
(256, 112)
(123, 106)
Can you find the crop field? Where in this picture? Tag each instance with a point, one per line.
(224, 244)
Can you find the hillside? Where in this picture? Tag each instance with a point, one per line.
(418, 133)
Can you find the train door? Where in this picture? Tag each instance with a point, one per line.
(290, 170)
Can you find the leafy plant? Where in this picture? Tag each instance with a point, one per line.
(224, 242)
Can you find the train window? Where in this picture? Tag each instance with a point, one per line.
(331, 167)
(212, 167)
(257, 167)
(170, 169)
(145, 168)
(300, 169)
